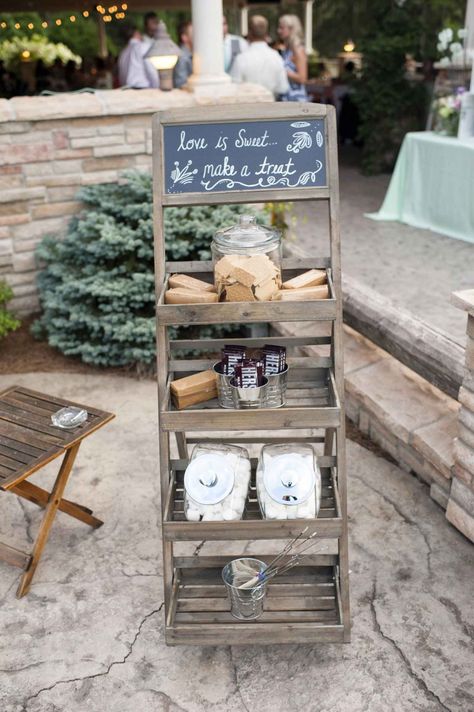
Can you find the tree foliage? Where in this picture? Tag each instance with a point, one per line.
(389, 103)
(8, 322)
(97, 287)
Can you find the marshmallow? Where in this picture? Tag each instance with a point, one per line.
(193, 515)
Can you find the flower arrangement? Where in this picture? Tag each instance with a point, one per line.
(446, 111)
(33, 48)
(453, 50)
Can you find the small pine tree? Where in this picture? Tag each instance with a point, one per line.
(8, 322)
(97, 286)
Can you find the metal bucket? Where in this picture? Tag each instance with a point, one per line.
(249, 397)
(276, 389)
(245, 603)
(224, 391)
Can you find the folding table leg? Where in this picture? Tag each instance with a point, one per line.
(39, 496)
(48, 518)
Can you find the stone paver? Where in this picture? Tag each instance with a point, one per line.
(435, 442)
(417, 269)
(389, 388)
(88, 636)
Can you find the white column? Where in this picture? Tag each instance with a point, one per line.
(469, 41)
(308, 26)
(469, 23)
(244, 20)
(208, 45)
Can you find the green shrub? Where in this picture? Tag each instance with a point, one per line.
(8, 322)
(97, 287)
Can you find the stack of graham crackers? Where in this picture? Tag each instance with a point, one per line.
(243, 278)
(194, 389)
(189, 290)
(309, 285)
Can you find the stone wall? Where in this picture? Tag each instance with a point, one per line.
(460, 510)
(51, 146)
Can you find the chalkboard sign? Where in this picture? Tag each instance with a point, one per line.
(248, 155)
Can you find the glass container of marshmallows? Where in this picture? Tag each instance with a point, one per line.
(216, 483)
(247, 262)
(288, 482)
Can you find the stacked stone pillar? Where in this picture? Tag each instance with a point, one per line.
(460, 509)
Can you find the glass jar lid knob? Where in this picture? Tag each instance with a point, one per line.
(208, 479)
(289, 478)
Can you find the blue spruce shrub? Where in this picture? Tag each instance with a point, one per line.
(97, 285)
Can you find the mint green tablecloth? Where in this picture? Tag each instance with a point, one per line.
(432, 185)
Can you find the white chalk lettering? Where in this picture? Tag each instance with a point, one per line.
(245, 171)
(222, 143)
(255, 142)
(191, 144)
(281, 169)
(220, 169)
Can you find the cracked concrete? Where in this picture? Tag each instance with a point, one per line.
(89, 634)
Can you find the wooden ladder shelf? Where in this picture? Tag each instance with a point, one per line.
(310, 603)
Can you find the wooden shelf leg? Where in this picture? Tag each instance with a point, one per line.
(48, 518)
(182, 445)
(328, 441)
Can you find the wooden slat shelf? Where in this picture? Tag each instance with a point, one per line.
(309, 604)
(248, 312)
(328, 524)
(301, 606)
(311, 403)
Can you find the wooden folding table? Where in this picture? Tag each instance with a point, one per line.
(28, 441)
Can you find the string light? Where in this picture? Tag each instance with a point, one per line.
(106, 17)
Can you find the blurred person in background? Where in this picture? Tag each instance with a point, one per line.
(290, 32)
(184, 65)
(133, 69)
(150, 28)
(260, 64)
(233, 46)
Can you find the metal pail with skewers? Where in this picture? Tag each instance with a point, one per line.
(245, 603)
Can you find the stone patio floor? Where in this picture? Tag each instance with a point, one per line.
(417, 269)
(89, 634)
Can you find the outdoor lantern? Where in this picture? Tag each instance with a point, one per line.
(349, 46)
(163, 54)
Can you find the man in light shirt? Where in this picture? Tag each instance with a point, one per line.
(260, 64)
(150, 25)
(134, 70)
(233, 46)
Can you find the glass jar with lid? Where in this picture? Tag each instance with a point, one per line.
(247, 261)
(288, 482)
(216, 483)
